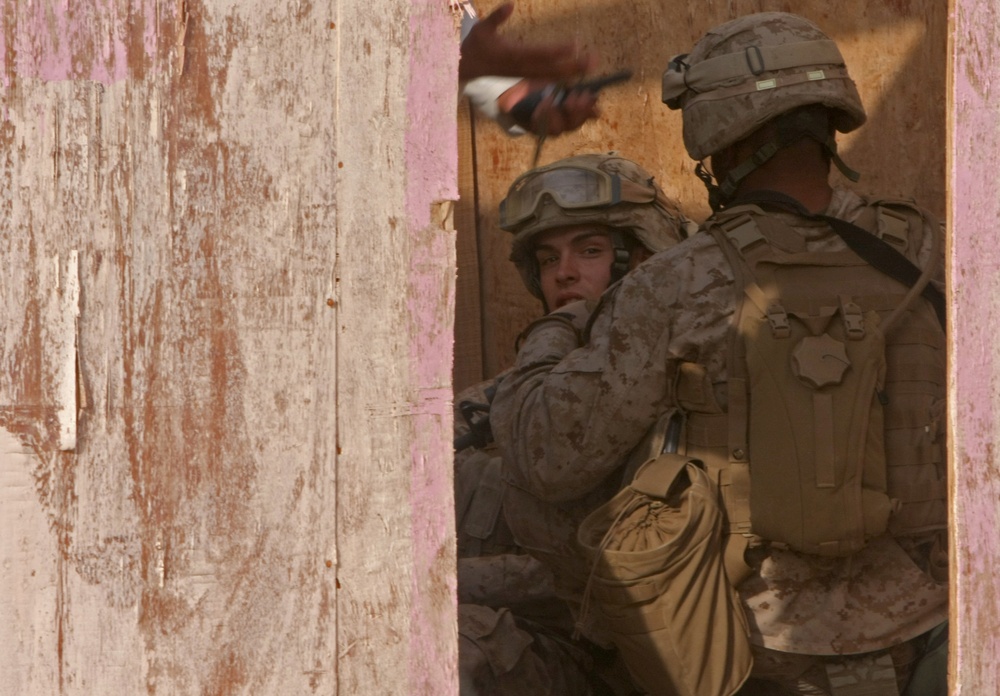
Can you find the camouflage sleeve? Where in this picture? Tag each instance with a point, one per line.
(567, 416)
(503, 580)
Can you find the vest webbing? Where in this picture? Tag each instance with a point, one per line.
(880, 246)
(763, 251)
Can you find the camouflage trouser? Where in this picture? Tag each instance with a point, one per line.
(499, 655)
(884, 673)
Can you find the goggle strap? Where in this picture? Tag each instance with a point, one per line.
(622, 257)
(629, 191)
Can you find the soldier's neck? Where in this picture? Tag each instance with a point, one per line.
(802, 175)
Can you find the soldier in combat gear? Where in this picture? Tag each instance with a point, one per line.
(799, 339)
(578, 225)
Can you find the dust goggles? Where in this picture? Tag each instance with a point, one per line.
(570, 188)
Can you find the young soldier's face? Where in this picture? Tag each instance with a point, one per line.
(574, 263)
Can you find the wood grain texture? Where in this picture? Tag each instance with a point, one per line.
(974, 207)
(258, 497)
(396, 254)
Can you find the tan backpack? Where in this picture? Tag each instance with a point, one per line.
(825, 444)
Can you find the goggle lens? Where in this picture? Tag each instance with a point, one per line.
(569, 187)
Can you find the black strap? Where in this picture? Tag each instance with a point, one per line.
(477, 417)
(874, 251)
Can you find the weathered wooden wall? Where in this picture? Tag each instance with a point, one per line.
(896, 51)
(226, 347)
(974, 278)
(225, 320)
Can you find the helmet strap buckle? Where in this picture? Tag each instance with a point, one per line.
(755, 60)
(727, 188)
(714, 193)
(620, 265)
(841, 165)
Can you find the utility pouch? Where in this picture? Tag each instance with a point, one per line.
(479, 491)
(658, 586)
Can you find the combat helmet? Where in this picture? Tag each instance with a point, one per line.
(748, 72)
(605, 189)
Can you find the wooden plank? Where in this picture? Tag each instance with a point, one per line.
(396, 255)
(262, 363)
(974, 393)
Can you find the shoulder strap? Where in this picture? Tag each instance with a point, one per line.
(736, 372)
(876, 252)
(736, 477)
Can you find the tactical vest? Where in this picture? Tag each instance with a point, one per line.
(834, 430)
(481, 528)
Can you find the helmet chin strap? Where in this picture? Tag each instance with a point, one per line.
(714, 192)
(620, 264)
(536, 285)
(791, 127)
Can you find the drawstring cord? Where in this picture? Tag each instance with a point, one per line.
(582, 624)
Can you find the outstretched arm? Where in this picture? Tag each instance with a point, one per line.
(486, 52)
(555, 114)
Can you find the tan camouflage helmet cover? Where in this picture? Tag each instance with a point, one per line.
(744, 73)
(656, 222)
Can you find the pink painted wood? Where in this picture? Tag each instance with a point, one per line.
(226, 319)
(974, 257)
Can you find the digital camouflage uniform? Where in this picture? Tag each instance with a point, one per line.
(575, 407)
(569, 414)
(515, 631)
(512, 629)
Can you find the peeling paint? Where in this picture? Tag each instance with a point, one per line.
(432, 173)
(181, 349)
(72, 41)
(62, 339)
(978, 51)
(975, 355)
